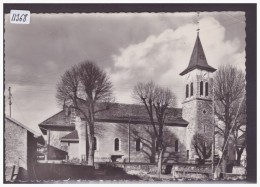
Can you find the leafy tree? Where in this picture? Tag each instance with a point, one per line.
(82, 87)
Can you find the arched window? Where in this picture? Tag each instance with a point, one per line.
(138, 144)
(116, 144)
(206, 88)
(187, 91)
(176, 145)
(201, 88)
(95, 144)
(191, 89)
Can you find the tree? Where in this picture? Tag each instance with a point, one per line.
(147, 138)
(239, 132)
(229, 91)
(82, 87)
(156, 100)
(203, 146)
(146, 135)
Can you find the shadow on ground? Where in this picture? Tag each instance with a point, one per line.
(64, 173)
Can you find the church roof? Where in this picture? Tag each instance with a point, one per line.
(114, 113)
(58, 121)
(198, 59)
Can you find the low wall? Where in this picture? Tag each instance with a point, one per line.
(50, 171)
(146, 168)
(141, 167)
(231, 176)
(191, 171)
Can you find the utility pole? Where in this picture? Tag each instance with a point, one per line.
(10, 99)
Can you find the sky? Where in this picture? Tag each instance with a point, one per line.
(130, 47)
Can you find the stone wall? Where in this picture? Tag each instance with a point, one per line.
(198, 110)
(231, 176)
(189, 114)
(191, 171)
(134, 167)
(15, 148)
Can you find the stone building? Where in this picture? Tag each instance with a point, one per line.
(123, 131)
(198, 102)
(20, 150)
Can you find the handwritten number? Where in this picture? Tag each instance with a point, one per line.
(19, 18)
(25, 16)
(13, 17)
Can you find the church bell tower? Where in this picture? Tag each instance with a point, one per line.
(198, 102)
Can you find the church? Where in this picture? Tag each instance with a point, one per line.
(123, 132)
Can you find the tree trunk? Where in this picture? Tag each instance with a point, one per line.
(224, 165)
(87, 143)
(91, 135)
(224, 162)
(152, 159)
(239, 154)
(225, 158)
(160, 160)
(90, 146)
(91, 152)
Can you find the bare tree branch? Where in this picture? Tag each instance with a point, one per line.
(81, 88)
(229, 89)
(156, 100)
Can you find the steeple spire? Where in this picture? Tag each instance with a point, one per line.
(198, 59)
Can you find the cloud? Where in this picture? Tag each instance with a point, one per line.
(162, 57)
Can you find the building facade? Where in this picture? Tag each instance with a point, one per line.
(20, 150)
(122, 133)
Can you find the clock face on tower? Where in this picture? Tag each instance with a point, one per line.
(205, 75)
